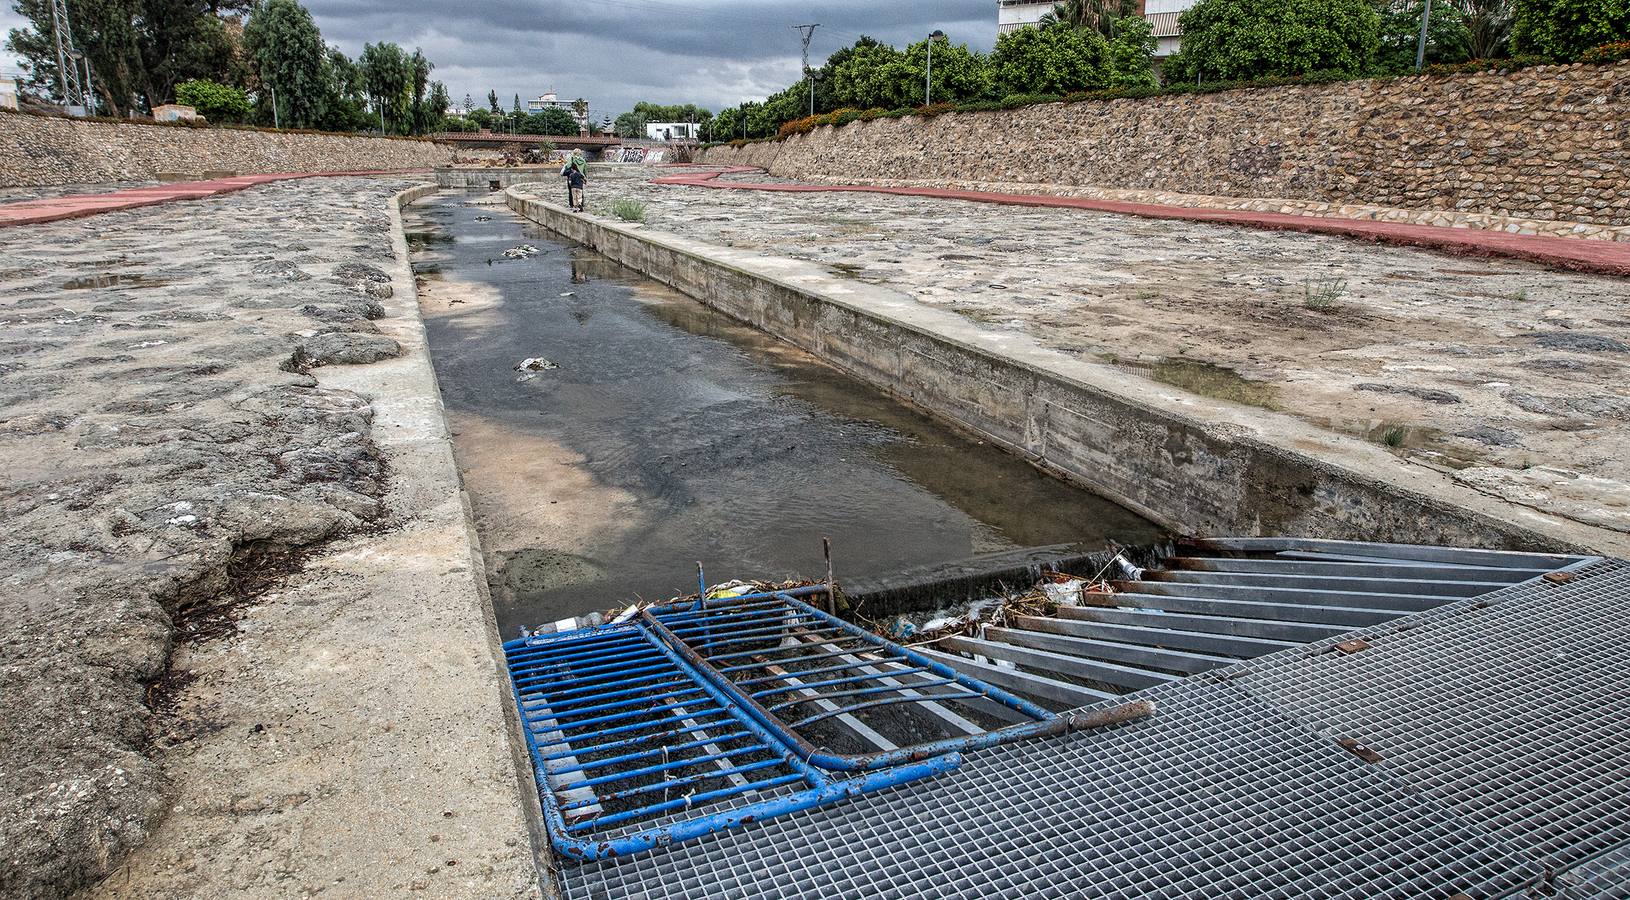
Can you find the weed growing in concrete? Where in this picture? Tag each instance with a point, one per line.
(629, 210)
(1323, 293)
(1394, 436)
(1518, 296)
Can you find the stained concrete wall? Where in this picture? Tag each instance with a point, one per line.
(45, 150)
(1192, 464)
(1547, 143)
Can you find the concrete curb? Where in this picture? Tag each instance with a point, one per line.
(1193, 464)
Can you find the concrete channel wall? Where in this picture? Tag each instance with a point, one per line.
(1192, 464)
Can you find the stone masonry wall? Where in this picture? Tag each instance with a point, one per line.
(1548, 143)
(41, 150)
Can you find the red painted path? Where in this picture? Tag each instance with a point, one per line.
(1600, 257)
(73, 206)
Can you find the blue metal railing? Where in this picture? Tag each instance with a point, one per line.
(617, 723)
(750, 645)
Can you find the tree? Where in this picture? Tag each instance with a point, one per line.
(290, 59)
(215, 101)
(1228, 40)
(1094, 15)
(387, 72)
(1050, 61)
(1488, 27)
(631, 125)
(1448, 38)
(437, 106)
(423, 116)
(872, 76)
(492, 101)
(552, 120)
(1563, 29)
(138, 50)
(480, 117)
(348, 109)
(959, 73)
(1131, 54)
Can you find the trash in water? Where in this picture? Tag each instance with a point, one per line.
(521, 252)
(569, 294)
(483, 218)
(532, 365)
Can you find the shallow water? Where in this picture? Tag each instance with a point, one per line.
(670, 434)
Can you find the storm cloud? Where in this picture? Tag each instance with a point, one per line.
(715, 53)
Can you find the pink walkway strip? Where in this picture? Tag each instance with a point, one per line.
(1600, 257)
(73, 206)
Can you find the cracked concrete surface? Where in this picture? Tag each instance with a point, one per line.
(328, 722)
(1502, 375)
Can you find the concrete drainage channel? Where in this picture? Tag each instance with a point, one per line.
(1193, 465)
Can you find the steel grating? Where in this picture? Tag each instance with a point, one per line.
(1513, 710)
(1217, 796)
(1606, 877)
(1503, 725)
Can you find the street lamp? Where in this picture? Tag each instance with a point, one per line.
(928, 81)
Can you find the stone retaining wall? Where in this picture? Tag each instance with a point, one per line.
(1550, 143)
(41, 150)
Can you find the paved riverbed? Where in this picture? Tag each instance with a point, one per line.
(1503, 375)
(187, 412)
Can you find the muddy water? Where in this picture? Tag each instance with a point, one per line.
(654, 433)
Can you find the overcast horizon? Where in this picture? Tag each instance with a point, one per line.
(715, 53)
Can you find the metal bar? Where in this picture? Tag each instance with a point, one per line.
(1020, 680)
(634, 728)
(593, 673)
(732, 620)
(765, 809)
(810, 720)
(752, 638)
(1107, 673)
(673, 766)
(1419, 552)
(840, 654)
(869, 691)
(859, 664)
(1262, 629)
(1148, 635)
(1338, 568)
(789, 648)
(937, 710)
(575, 709)
(648, 754)
(1400, 603)
(656, 809)
(670, 784)
(1131, 654)
(616, 717)
(830, 682)
(652, 752)
(1434, 587)
(643, 689)
(1280, 612)
(866, 732)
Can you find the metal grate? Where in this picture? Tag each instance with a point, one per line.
(633, 749)
(1514, 710)
(1501, 725)
(818, 680)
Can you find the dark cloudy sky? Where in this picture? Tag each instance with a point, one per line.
(614, 52)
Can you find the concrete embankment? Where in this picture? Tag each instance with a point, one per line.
(246, 645)
(1193, 464)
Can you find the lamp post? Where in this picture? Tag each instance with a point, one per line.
(1420, 46)
(928, 81)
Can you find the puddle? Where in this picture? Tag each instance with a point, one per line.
(670, 434)
(1205, 379)
(128, 280)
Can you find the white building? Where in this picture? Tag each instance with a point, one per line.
(1162, 16)
(549, 100)
(8, 92)
(1015, 14)
(672, 131)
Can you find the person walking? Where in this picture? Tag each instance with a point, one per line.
(576, 173)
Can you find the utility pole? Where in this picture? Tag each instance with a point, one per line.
(1420, 46)
(809, 35)
(277, 121)
(73, 67)
(928, 81)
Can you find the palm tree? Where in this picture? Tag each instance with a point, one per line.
(1488, 23)
(1093, 15)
